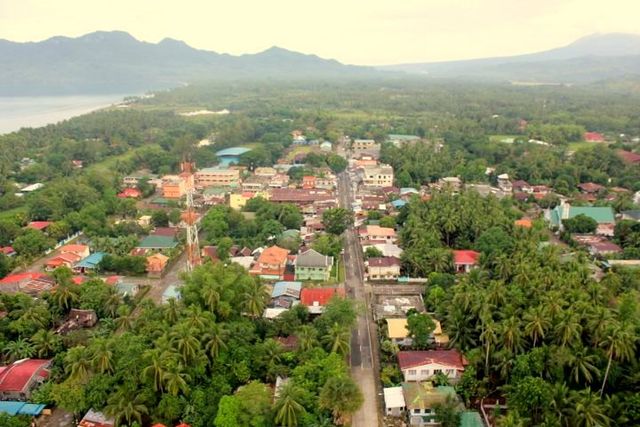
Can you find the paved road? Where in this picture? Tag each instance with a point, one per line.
(364, 366)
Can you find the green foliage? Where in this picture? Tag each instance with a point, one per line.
(420, 327)
(337, 220)
(372, 252)
(127, 264)
(32, 243)
(328, 244)
(580, 224)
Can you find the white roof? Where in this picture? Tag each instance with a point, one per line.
(503, 176)
(393, 397)
(245, 261)
(33, 187)
(272, 313)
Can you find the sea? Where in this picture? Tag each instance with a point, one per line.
(19, 112)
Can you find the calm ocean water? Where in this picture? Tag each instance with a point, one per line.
(19, 112)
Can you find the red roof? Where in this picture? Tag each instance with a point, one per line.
(165, 231)
(7, 250)
(628, 156)
(16, 377)
(590, 187)
(13, 278)
(451, 358)
(309, 296)
(39, 225)
(130, 193)
(78, 280)
(466, 257)
(273, 255)
(593, 137)
(388, 261)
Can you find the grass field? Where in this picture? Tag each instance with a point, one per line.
(500, 138)
(110, 163)
(7, 214)
(573, 146)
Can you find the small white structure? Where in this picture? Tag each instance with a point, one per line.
(394, 404)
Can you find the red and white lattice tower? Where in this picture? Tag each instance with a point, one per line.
(190, 217)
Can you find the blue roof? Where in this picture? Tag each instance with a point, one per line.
(412, 190)
(280, 288)
(233, 151)
(92, 260)
(171, 292)
(20, 408)
(398, 203)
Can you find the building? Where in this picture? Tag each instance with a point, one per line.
(96, 419)
(231, 155)
(394, 405)
(375, 233)
(39, 225)
(90, 263)
(308, 182)
(628, 157)
(81, 250)
(383, 268)
(7, 251)
(217, 177)
(603, 215)
(400, 140)
(271, 263)
(62, 260)
(285, 294)
(130, 193)
(301, 197)
(156, 264)
(78, 319)
(397, 331)
(28, 283)
(173, 187)
(591, 188)
(632, 215)
(593, 137)
(377, 176)
(312, 265)
(326, 146)
(315, 299)
(422, 365)
(21, 377)
(452, 183)
(157, 242)
(504, 183)
(422, 399)
(465, 260)
(363, 144)
(265, 172)
(172, 292)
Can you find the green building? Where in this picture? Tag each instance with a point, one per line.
(312, 265)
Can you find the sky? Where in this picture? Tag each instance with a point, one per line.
(362, 32)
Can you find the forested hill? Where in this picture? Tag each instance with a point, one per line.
(590, 59)
(115, 62)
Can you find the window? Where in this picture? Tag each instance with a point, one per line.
(437, 371)
(424, 372)
(416, 411)
(412, 372)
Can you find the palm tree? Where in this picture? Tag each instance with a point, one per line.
(64, 296)
(536, 324)
(583, 365)
(102, 358)
(588, 410)
(112, 304)
(176, 380)
(307, 337)
(342, 397)
(77, 362)
(461, 333)
(19, 349)
(196, 318)
(561, 404)
(126, 408)
(126, 320)
(184, 340)
(568, 329)
(156, 368)
(511, 419)
(288, 408)
(172, 311)
(512, 335)
(337, 339)
(46, 343)
(619, 343)
(214, 340)
(255, 299)
(489, 339)
(211, 296)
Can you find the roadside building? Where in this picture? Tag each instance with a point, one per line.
(397, 331)
(394, 405)
(377, 176)
(271, 263)
(315, 299)
(423, 365)
(156, 264)
(312, 265)
(364, 144)
(422, 401)
(377, 234)
(18, 379)
(383, 268)
(173, 187)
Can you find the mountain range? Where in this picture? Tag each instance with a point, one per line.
(115, 62)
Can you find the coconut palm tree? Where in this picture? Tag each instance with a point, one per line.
(619, 343)
(102, 357)
(112, 304)
(156, 368)
(214, 340)
(184, 341)
(288, 408)
(536, 324)
(126, 320)
(588, 410)
(561, 404)
(78, 363)
(211, 296)
(583, 365)
(255, 299)
(175, 380)
(461, 332)
(64, 297)
(568, 329)
(342, 397)
(270, 357)
(196, 318)
(172, 311)
(126, 408)
(511, 334)
(46, 343)
(307, 337)
(337, 339)
(489, 339)
(19, 349)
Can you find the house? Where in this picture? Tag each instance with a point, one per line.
(383, 268)
(628, 157)
(173, 187)
(632, 215)
(265, 171)
(602, 214)
(422, 365)
(7, 251)
(18, 379)
(523, 223)
(130, 193)
(422, 399)
(397, 332)
(285, 294)
(465, 260)
(81, 250)
(127, 289)
(377, 176)
(62, 260)
(78, 319)
(300, 196)
(39, 225)
(521, 186)
(14, 407)
(271, 263)
(312, 265)
(96, 419)
(452, 183)
(172, 292)
(28, 283)
(158, 242)
(326, 146)
(308, 182)
(504, 183)
(387, 249)
(363, 144)
(217, 177)
(394, 405)
(593, 137)
(375, 233)
(279, 180)
(156, 264)
(400, 140)
(90, 263)
(597, 245)
(144, 221)
(590, 188)
(315, 299)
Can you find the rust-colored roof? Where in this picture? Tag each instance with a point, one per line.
(524, 223)
(451, 358)
(321, 296)
(273, 255)
(466, 257)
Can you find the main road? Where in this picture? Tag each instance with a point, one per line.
(364, 364)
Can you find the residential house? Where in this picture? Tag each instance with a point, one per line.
(39, 225)
(504, 183)
(130, 193)
(217, 177)
(383, 268)
(279, 181)
(452, 183)
(363, 144)
(312, 265)
(173, 187)
(422, 399)
(27, 283)
(255, 183)
(591, 188)
(265, 171)
(144, 221)
(96, 419)
(90, 263)
(18, 379)
(521, 186)
(629, 157)
(422, 365)
(315, 299)
(632, 215)
(7, 251)
(78, 319)
(377, 176)
(62, 260)
(397, 331)
(326, 146)
(271, 263)
(597, 245)
(387, 249)
(308, 182)
(375, 233)
(80, 250)
(465, 260)
(301, 197)
(603, 215)
(523, 223)
(156, 264)
(593, 137)
(286, 294)
(156, 242)
(394, 405)
(400, 140)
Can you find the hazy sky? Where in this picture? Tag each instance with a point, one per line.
(352, 31)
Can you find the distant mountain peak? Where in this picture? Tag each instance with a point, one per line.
(102, 36)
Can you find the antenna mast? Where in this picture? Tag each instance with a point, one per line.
(189, 216)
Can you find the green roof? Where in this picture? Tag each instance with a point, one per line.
(401, 137)
(602, 214)
(158, 242)
(471, 419)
